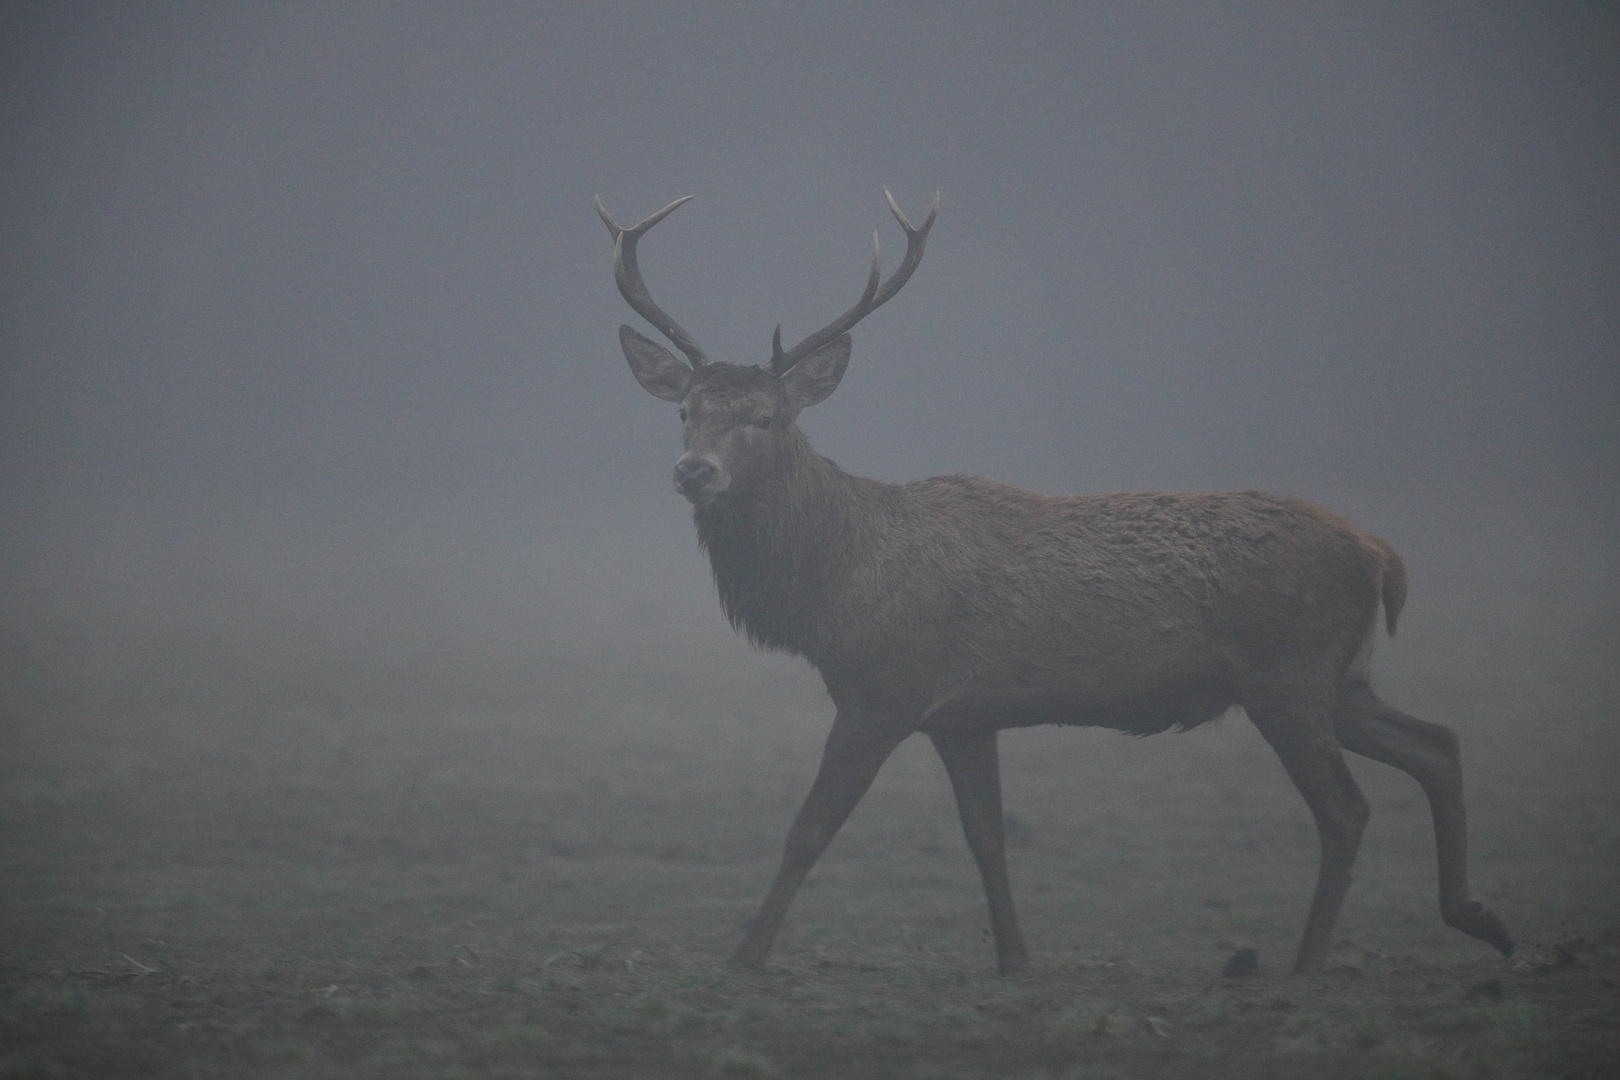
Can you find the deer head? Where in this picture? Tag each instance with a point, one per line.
(736, 418)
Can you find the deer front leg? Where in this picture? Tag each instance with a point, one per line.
(856, 749)
(975, 771)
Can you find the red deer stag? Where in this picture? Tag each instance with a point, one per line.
(958, 607)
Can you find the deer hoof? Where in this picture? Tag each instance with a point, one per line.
(1473, 919)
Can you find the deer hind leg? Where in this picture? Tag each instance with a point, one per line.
(854, 753)
(975, 771)
(1429, 754)
(1302, 735)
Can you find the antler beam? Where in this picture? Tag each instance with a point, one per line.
(627, 273)
(872, 297)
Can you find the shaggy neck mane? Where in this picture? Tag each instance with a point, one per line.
(777, 551)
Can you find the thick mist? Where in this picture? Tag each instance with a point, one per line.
(318, 456)
(309, 333)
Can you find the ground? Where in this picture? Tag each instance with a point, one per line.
(344, 889)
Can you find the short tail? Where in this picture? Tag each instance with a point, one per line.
(1392, 571)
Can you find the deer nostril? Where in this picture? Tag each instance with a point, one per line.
(693, 474)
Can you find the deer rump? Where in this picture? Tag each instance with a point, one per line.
(958, 607)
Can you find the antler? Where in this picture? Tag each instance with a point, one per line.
(634, 290)
(871, 299)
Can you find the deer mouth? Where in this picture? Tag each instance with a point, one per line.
(700, 478)
(698, 497)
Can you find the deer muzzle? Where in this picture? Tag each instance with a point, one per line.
(700, 477)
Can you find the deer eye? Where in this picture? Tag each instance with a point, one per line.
(683, 416)
(764, 422)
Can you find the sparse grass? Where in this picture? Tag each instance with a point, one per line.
(1417, 1067)
(889, 1033)
(1212, 1016)
(458, 940)
(653, 1006)
(1507, 1018)
(1085, 1022)
(53, 1000)
(380, 1010)
(1367, 1032)
(728, 1062)
(287, 1053)
(22, 1067)
(742, 1064)
(523, 1034)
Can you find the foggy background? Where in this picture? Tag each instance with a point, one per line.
(314, 414)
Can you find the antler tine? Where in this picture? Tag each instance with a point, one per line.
(607, 219)
(916, 237)
(627, 273)
(872, 298)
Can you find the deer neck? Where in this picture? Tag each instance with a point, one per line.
(779, 551)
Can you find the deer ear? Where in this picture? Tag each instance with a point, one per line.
(813, 379)
(654, 366)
